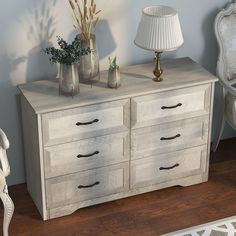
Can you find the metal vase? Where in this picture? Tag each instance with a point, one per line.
(89, 64)
(69, 80)
(114, 80)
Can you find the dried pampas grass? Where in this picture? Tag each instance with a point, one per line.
(86, 17)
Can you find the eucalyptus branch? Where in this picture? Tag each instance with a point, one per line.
(67, 53)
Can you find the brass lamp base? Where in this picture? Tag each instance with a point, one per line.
(158, 70)
(157, 79)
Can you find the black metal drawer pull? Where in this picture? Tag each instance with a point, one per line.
(87, 123)
(171, 138)
(89, 186)
(89, 155)
(169, 168)
(172, 107)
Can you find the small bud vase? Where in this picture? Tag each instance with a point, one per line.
(69, 80)
(114, 80)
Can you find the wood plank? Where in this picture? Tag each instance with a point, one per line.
(136, 81)
(153, 213)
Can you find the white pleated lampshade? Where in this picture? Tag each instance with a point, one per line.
(159, 29)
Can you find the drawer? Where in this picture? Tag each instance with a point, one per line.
(88, 185)
(86, 154)
(169, 137)
(168, 167)
(170, 106)
(85, 122)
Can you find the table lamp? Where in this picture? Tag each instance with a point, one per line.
(159, 31)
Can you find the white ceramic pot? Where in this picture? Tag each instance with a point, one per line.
(114, 80)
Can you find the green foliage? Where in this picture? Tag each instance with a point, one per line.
(67, 53)
(113, 64)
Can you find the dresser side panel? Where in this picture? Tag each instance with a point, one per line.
(33, 158)
(211, 97)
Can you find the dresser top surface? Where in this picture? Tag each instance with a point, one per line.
(44, 97)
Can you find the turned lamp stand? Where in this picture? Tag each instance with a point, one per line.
(158, 70)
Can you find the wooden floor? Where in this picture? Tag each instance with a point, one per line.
(148, 214)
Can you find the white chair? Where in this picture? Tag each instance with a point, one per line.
(225, 30)
(5, 171)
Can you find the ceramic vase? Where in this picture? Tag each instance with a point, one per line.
(114, 80)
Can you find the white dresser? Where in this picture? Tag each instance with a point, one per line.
(108, 144)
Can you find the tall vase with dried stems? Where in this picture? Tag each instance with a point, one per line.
(85, 15)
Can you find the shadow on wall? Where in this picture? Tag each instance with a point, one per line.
(41, 31)
(105, 40)
(211, 46)
(9, 119)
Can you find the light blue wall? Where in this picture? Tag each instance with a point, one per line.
(28, 25)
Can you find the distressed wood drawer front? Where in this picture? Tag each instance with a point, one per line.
(169, 137)
(88, 185)
(86, 154)
(168, 167)
(86, 122)
(170, 106)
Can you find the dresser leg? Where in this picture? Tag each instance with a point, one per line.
(8, 210)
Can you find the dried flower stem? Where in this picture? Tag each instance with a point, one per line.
(85, 16)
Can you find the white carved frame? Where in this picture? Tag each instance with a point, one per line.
(226, 85)
(222, 63)
(5, 171)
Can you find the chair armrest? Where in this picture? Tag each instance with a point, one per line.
(228, 88)
(2, 180)
(4, 162)
(4, 143)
